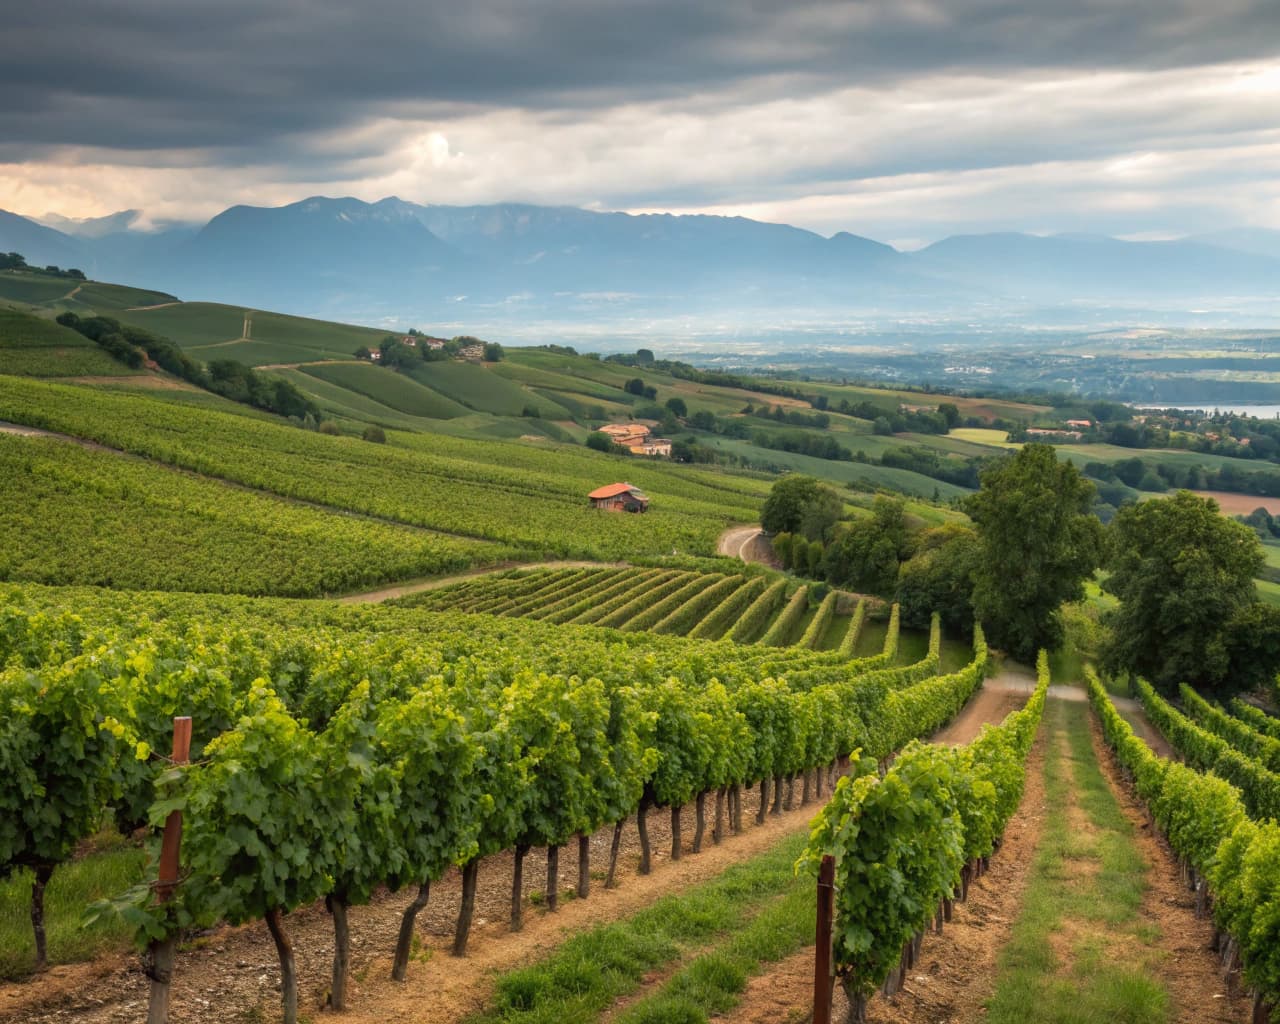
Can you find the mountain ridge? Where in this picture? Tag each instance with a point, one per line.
(337, 255)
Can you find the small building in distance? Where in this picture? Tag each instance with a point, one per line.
(1080, 424)
(653, 446)
(621, 497)
(637, 438)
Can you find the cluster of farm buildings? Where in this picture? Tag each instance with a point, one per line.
(637, 438)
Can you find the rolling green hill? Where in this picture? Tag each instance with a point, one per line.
(388, 388)
(34, 347)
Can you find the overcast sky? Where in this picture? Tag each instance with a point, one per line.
(904, 120)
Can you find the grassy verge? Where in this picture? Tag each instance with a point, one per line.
(760, 902)
(1078, 953)
(111, 867)
(714, 981)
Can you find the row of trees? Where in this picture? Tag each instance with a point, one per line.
(397, 354)
(15, 261)
(1183, 574)
(133, 346)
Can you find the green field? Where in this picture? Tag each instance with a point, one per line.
(477, 387)
(33, 289)
(389, 388)
(105, 297)
(298, 339)
(518, 494)
(74, 516)
(34, 347)
(984, 436)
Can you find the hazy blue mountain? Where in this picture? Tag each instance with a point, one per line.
(1258, 241)
(1098, 267)
(91, 227)
(39, 245)
(511, 262)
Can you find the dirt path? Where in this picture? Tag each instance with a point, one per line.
(311, 362)
(1131, 711)
(955, 974)
(21, 430)
(231, 975)
(158, 305)
(435, 583)
(990, 704)
(143, 380)
(747, 543)
(71, 294)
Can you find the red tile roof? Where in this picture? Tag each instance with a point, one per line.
(613, 490)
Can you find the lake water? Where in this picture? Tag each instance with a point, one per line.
(1262, 412)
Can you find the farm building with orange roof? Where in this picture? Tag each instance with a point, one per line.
(622, 497)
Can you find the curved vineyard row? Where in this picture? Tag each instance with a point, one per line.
(1202, 749)
(1257, 718)
(720, 619)
(1233, 859)
(620, 586)
(780, 631)
(1243, 737)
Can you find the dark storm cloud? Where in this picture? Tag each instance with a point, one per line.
(237, 76)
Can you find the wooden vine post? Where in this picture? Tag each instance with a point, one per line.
(161, 953)
(822, 977)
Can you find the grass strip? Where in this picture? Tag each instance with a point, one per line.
(713, 983)
(109, 869)
(593, 969)
(1084, 892)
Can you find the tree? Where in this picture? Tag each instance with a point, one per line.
(644, 356)
(1038, 543)
(939, 578)
(800, 504)
(362, 352)
(782, 548)
(951, 414)
(493, 352)
(375, 433)
(635, 386)
(868, 555)
(1188, 607)
(677, 407)
(600, 441)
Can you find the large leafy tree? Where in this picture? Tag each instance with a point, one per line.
(1038, 543)
(800, 504)
(1188, 608)
(869, 552)
(939, 578)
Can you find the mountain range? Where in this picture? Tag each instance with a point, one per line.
(512, 263)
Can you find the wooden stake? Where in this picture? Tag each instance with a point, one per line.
(822, 977)
(161, 954)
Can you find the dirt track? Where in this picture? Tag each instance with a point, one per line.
(747, 543)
